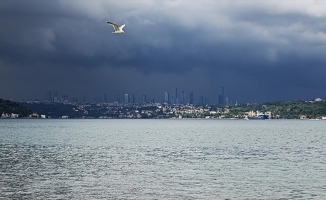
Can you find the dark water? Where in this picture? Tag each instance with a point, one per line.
(162, 159)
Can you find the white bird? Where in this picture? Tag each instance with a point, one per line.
(117, 29)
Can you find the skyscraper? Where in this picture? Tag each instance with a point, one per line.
(55, 96)
(201, 100)
(191, 100)
(166, 97)
(144, 99)
(132, 99)
(206, 101)
(118, 99)
(174, 96)
(104, 98)
(126, 98)
(221, 96)
(183, 97)
(64, 98)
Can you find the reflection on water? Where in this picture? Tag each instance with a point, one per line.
(162, 159)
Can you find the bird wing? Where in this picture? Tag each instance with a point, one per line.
(121, 27)
(115, 26)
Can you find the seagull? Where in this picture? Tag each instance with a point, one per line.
(117, 29)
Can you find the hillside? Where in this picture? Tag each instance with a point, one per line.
(9, 107)
(285, 109)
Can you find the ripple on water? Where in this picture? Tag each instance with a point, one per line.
(125, 168)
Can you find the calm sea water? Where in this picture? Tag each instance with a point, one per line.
(162, 159)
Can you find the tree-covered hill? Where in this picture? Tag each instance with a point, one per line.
(295, 109)
(9, 107)
(55, 110)
(286, 109)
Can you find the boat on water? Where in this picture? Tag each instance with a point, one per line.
(258, 117)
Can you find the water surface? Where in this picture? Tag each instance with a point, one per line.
(162, 159)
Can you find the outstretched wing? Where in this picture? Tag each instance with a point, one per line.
(121, 27)
(115, 26)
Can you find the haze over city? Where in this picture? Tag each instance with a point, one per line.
(258, 51)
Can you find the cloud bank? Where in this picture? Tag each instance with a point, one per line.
(258, 50)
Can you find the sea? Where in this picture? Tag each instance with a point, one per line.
(162, 159)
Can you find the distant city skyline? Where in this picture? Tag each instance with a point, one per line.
(54, 96)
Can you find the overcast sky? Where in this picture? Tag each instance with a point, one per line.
(259, 51)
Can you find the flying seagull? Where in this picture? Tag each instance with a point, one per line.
(117, 29)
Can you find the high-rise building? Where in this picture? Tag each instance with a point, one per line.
(118, 99)
(104, 98)
(144, 98)
(221, 96)
(64, 98)
(201, 101)
(183, 97)
(174, 96)
(84, 99)
(191, 99)
(206, 101)
(55, 99)
(55, 96)
(166, 97)
(132, 99)
(126, 98)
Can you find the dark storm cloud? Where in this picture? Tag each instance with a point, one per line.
(260, 51)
